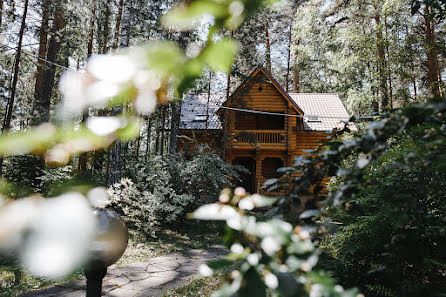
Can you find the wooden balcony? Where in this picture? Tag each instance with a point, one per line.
(262, 191)
(266, 139)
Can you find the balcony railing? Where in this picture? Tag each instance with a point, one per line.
(259, 137)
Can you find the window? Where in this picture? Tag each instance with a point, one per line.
(200, 118)
(313, 118)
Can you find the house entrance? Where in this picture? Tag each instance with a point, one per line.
(247, 179)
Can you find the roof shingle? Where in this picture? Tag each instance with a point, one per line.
(328, 108)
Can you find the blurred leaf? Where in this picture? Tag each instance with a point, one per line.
(310, 213)
(221, 54)
(215, 211)
(186, 17)
(220, 263)
(165, 58)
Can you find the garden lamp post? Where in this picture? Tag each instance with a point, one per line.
(107, 247)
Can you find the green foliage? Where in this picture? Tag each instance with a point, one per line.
(271, 258)
(388, 202)
(393, 230)
(166, 188)
(138, 209)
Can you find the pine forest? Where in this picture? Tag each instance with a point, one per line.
(306, 139)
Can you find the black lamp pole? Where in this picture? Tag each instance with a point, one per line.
(94, 281)
(108, 246)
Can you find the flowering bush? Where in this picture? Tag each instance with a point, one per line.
(138, 208)
(269, 254)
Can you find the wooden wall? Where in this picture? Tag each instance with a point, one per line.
(269, 99)
(214, 138)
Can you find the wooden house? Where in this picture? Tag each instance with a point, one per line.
(261, 126)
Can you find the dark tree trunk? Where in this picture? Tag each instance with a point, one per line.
(296, 82)
(163, 130)
(1, 14)
(115, 162)
(268, 47)
(389, 69)
(225, 117)
(106, 26)
(381, 63)
(157, 131)
(287, 84)
(174, 127)
(433, 66)
(148, 137)
(83, 158)
(43, 43)
(42, 104)
(207, 106)
(8, 116)
(91, 31)
(115, 149)
(118, 25)
(138, 144)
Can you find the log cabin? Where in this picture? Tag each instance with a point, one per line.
(260, 126)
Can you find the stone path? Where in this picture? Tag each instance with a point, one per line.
(141, 279)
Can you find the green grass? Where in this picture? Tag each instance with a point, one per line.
(201, 287)
(191, 235)
(14, 280)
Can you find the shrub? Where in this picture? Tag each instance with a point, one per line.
(138, 208)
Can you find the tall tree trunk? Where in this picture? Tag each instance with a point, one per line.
(163, 130)
(268, 47)
(43, 43)
(157, 131)
(106, 26)
(174, 126)
(115, 150)
(287, 83)
(91, 31)
(148, 137)
(381, 62)
(138, 144)
(433, 66)
(389, 69)
(118, 24)
(83, 158)
(296, 82)
(8, 116)
(1, 14)
(207, 106)
(42, 104)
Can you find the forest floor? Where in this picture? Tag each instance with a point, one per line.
(190, 235)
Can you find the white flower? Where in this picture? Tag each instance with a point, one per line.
(237, 248)
(205, 270)
(271, 280)
(246, 204)
(240, 192)
(114, 69)
(60, 236)
(98, 93)
(253, 259)
(103, 125)
(98, 197)
(216, 212)
(363, 162)
(270, 245)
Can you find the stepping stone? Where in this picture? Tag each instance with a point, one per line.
(141, 279)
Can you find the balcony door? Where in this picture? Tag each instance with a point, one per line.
(247, 179)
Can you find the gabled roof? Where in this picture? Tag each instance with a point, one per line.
(322, 111)
(274, 83)
(194, 105)
(328, 108)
